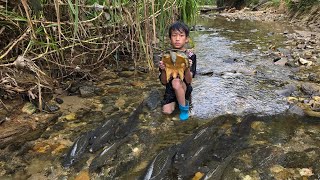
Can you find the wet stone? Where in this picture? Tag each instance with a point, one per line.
(310, 89)
(74, 89)
(316, 166)
(130, 68)
(296, 110)
(29, 108)
(296, 160)
(126, 74)
(276, 59)
(281, 62)
(301, 46)
(307, 54)
(89, 91)
(287, 90)
(314, 77)
(258, 126)
(197, 28)
(58, 100)
(52, 107)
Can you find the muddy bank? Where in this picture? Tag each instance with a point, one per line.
(307, 16)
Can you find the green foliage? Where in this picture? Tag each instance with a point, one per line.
(91, 2)
(206, 2)
(188, 10)
(276, 2)
(301, 5)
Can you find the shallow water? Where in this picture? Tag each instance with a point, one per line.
(241, 80)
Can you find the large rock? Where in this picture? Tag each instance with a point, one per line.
(310, 89)
(22, 129)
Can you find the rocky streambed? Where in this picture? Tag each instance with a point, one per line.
(254, 115)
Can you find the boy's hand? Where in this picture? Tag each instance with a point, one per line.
(162, 66)
(190, 63)
(189, 53)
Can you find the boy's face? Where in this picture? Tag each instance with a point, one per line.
(178, 39)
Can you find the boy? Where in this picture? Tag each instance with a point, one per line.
(178, 91)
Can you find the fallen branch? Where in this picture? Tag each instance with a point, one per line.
(4, 105)
(15, 42)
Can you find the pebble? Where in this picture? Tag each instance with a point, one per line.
(58, 100)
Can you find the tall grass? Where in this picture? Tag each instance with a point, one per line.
(68, 37)
(206, 2)
(188, 10)
(301, 5)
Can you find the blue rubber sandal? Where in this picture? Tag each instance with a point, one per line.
(184, 112)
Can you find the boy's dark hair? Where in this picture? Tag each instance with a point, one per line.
(179, 26)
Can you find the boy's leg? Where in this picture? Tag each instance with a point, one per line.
(180, 91)
(168, 108)
(169, 100)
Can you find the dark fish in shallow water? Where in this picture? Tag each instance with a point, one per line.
(77, 149)
(110, 132)
(115, 129)
(160, 165)
(217, 171)
(103, 158)
(153, 100)
(104, 135)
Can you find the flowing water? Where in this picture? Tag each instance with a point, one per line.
(241, 79)
(240, 128)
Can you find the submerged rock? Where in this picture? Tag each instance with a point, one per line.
(310, 89)
(29, 108)
(296, 160)
(287, 90)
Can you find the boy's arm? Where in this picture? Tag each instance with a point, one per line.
(191, 71)
(163, 75)
(188, 76)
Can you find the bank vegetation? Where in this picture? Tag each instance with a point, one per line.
(46, 42)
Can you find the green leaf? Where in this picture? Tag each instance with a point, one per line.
(71, 7)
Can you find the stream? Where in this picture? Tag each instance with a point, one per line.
(241, 124)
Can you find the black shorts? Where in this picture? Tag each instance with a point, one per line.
(170, 95)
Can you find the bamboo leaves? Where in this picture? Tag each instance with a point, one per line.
(188, 10)
(75, 11)
(71, 7)
(137, 26)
